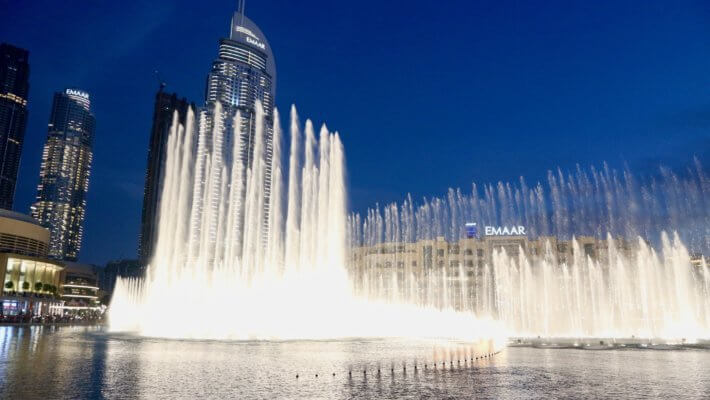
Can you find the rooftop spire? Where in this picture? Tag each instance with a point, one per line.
(240, 10)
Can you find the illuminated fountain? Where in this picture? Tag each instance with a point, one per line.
(225, 268)
(643, 294)
(613, 285)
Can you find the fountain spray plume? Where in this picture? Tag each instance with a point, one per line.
(596, 259)
(233, 262)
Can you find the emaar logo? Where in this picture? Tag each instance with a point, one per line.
(256, 43)
(505, 230)
(471, 230)
(79, 93)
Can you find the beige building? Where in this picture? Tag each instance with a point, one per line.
(20, 234)
(429, 261)
(31, 282)
(473, 252)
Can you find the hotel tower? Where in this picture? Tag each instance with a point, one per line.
(60, 205)
(243, 73)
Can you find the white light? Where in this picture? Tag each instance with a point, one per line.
(81, 286)
(80, 296)
(79, 93)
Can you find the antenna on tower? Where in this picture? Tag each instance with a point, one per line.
(240, 9)
(160, 81)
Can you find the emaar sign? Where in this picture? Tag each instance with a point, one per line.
(505, 230)
(488, 230)
(256, 43)
(75, 92)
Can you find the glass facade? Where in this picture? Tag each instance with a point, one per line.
(25, 275)
(166, 104)
(64, 173)
(14, 89)
(30, 287)
(243, 73)
(79, 287)
(80, 290)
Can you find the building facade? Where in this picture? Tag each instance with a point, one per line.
(468, 261)
(80, 290)
(474, 253)
(166, 107)
(31, 282)
(243, 73)
(14, 89)
(20, 234)
(60, 205)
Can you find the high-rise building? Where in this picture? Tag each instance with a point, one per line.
(14, 88)
(166, 105)
(64, 173)
(243, 73)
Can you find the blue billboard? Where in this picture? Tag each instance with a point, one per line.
(471, 230)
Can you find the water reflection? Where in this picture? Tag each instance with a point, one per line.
(69, 363)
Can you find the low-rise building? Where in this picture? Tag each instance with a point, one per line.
(31, 282)
(394, 266)
(80, 290)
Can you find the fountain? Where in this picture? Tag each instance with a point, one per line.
(587, 266)
(226, 268)
(643, 294)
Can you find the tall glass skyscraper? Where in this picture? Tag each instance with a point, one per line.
(64, 173)
(166, 104)
(14, 88)
(243, 73)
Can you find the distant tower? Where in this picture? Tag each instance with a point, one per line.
(64, 173)
(166, 104)
(14, 88)
(244, 72)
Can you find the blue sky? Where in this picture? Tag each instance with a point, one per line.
(426, 95)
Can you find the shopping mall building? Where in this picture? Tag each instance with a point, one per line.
(31, 281)
(33, 284)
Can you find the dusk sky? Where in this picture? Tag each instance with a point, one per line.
(426, 95)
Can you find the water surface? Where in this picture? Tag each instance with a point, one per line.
(85, 362)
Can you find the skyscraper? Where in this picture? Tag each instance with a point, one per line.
(243, 73)
(64, 173)
(166, 104)
(14, 88)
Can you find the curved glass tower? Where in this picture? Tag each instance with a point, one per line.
(243, 73)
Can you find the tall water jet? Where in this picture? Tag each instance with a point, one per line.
(233, 262)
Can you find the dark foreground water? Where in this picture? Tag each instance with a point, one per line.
(81, 362)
